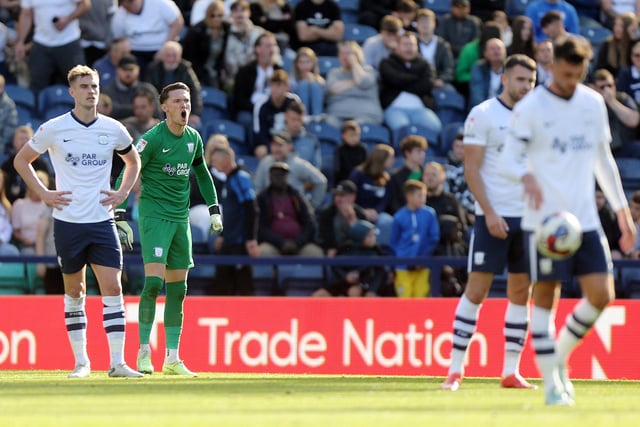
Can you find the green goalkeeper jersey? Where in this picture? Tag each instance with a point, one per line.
(166, 162)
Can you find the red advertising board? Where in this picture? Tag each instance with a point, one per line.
(320, 336)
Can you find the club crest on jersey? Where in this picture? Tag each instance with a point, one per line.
(190, 146)
(140, 145)
(103, 140)
(157, 251)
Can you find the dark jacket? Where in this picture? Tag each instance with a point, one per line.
(158, 77)
(328, 235)
(196, 49)
(244, 85)
(372, 277)
(444, 63)
(396, 77)
(304, 213)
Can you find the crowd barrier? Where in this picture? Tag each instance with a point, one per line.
(363, 336)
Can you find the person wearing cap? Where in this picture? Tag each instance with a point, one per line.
(459, 27)
(378, 47)
(148, 24)
(268, 115)
(126, 85)
(303, 176)
(55, 48)
(286, 223)
(335, 220)
(357, 281)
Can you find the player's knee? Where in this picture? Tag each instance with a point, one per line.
(152, 287)
(177, 290)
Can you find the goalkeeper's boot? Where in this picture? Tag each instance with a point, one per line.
(123, 371)
(566, 383)
(516, 381)
(452, 382)
(177, 368)
(144, 364)
(80, 371)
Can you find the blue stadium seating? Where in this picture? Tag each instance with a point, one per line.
(348, 11)
(249, 162)
(25, 102)
(325, 63)
(439, 7)
(516, 7)
(375, 134)
(399, 134)
(595, 35)
(233, 131)
(629, 172)
(264, 282)
(300, 280)
(325, 132)
(358, 32)
(51, 98)
(447, 135)
(214, 104)
(450, 105)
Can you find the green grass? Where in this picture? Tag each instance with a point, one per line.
(48, 398)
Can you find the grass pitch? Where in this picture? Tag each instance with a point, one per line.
(48, 398)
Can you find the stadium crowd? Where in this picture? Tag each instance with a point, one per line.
(319, 116)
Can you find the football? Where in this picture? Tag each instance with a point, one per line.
(559, 235)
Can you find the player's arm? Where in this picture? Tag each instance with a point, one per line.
(82, 7)
(208, 191)
(126, 179)
(22, 164)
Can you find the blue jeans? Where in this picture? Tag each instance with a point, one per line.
(397, 117)
(312, 96)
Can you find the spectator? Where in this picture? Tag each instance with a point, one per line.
(610, 9)
(433, 48)
(456, 182)
(378, 47)
(415, 233)
(351, 152)
(335, 221)
(371, 13)
(609, 224)
(406, 81)
(50, 274)
(14, 186)
(414, 151)
(614, 52)
(628, 80)
(170, 68)
(275, 16)
(242, 40)
(148, 27)
(219, 178)
(142, 119)
(253, 81)
(459, 27)
(6, 229)
(352, 89)
(307, 82)
(484, 9)
(443, 202)
(544, 61)
(305, 144)
(287, 225)
(126, 85)
(205, 44)
(522, 42)
(240, 221)
(372, 180)
(107, 64)
(406, 10)
(552, 25)
(8, 117)
(95, 29)
(357, 281)
(268, 116)
(7, 40)
(105, 104)
(486, 73)
(538, 8)
(301, 175)
(622, 111)
(471, 53)
(56, 39)
(25, 215)
(319, 26)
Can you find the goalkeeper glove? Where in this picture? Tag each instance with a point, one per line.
(125, 233)
(216, 219)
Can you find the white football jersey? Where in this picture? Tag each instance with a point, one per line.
(81, 155)
(565, 144)
(487, 125)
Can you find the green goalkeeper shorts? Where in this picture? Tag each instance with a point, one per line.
(166, 242)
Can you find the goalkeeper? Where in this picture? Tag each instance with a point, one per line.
(168, 151)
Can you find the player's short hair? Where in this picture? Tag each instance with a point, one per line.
(550, 17)
(80, 71)
(602, 74)
(164, 94)
(519, 59)
(350, 125)
(296, 106)
(573, 50)
(413, 185)
(410, 142)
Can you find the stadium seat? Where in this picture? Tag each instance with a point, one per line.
(250, 163)
(54, 96)
(372, 134)
(25, 102)
(264, 282)
(214, 104)
(595, 35)
(447, 136)
(349, 11)
(325, 132)
(399, 134)
(328, 150)
(13, 278)
(450, 105)
(358, 32)
(439, 7)
(299, 280)
(516, 7)
(233, 131)
(629, 169)
(325, 63)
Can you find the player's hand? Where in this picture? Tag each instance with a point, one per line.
(125, 233)
(56, 199)
(532, 191)
(628, 230)
(114, 198)
(496, 225)
(216, 219)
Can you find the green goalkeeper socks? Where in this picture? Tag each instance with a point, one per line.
(176, 291)
(147, 307)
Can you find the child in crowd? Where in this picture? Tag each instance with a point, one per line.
(351, 152)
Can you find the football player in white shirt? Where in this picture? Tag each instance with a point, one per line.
(81, 145)
(497, 240)
(558, 144)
